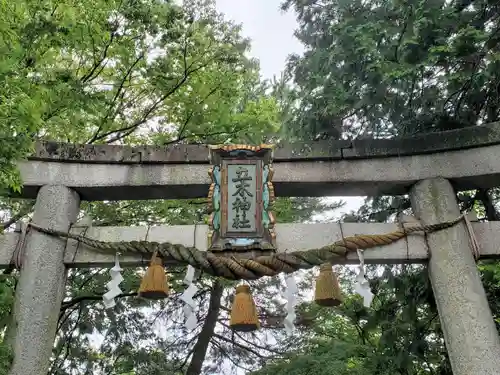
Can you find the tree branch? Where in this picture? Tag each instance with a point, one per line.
(97, 297)
(127, 130)
(485, 198)
(207, 330)
(15, 218)
(98, 63)
(117, 94)
(241, 346)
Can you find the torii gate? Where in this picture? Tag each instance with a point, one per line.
(430, 167)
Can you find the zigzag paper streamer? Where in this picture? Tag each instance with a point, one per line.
(187, 298)
(362, 287)
(291, 297)
(108, 299)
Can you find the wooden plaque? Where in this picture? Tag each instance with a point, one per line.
(240, 198)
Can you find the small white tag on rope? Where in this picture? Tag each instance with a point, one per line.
(108, 299)
(113, 289)
(361, 258)
(116, 279)
(191, 321)
(187, 298)
(116, 268)
(291, 297)
(362, 286)
(188, 279)
(288, 322)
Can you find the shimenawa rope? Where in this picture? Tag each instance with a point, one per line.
(218, 264)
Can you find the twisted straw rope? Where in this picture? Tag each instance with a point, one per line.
(256, 267)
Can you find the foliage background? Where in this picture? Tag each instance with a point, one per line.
(154, 72)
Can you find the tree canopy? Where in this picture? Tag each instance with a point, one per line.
(163, 73)
(389, 68)
(125, 71)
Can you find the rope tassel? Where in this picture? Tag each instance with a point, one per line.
(154, 283)
(327, 291)
(258, 266)
(244, 316)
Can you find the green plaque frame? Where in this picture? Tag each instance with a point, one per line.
(222, 236)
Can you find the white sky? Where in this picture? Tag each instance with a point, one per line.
(270, 30)
(271, 33)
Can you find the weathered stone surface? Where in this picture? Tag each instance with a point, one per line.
(467, 169)
(40, 289)
(120, 154)
(172, 154)
(475, 136)
(467, 157)
(469, 331)
(314, 150)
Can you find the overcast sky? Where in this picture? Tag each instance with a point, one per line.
(270, 30)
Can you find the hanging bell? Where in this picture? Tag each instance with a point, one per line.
(327, 292)
(154, 283)
(244, 316)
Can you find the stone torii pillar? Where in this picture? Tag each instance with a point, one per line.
(469, 331)
(41, 285)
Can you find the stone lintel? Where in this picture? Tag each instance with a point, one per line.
(470, 137)
(467, 169)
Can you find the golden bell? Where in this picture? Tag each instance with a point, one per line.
(244, 316)
(154, 283)
(327, 292)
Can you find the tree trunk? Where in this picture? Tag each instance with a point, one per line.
(207, 331)
(489, 207)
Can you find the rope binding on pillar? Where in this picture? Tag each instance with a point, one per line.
(253, 268)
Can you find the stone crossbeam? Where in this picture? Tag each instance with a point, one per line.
(468, 158)
(291, 237)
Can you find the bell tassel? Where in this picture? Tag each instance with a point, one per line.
(244, 316)
(327, 292)
(154, 284)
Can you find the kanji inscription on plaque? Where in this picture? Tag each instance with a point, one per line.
(240, 198)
